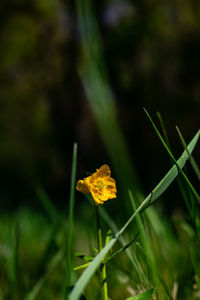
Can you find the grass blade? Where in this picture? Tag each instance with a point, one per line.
(82, 266)
(158, 190)
(193, 162)
(172, 157)
(71, 220)
(143, 296)
(123, 248)
(185, 192)
(163, 128)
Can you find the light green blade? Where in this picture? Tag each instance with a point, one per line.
(157, 191)
(143, 296)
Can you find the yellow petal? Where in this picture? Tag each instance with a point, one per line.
(103, 171)
(95, 196)
(108, 191)
(110, 182)
(82, 187)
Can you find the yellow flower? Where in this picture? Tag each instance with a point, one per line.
(101, 186)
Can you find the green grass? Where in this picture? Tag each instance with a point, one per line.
(146, 254)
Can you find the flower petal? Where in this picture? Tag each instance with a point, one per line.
(100, 195)
(82, 187)
(95, 195)
(103, 171)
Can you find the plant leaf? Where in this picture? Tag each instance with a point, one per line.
(82, 266)
(83, 256)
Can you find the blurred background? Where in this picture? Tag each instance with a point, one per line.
(151, 55)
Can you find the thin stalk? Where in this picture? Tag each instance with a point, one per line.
(166, 139)
(104, 286)
(71, 221)
(193, 162)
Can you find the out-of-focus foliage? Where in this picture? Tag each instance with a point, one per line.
(34, 106)
(152, 56)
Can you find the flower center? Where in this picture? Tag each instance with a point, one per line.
(99, 184)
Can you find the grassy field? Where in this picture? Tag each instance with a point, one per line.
(153, 255)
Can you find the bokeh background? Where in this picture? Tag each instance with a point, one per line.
(151, 53)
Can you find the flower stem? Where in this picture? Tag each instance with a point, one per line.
(104, 286)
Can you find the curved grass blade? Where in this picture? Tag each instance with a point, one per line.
(172, 157)
(185, 192)
(171, 175)
(143, 296)
(155, 194)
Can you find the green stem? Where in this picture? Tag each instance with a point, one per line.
(104, 285)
